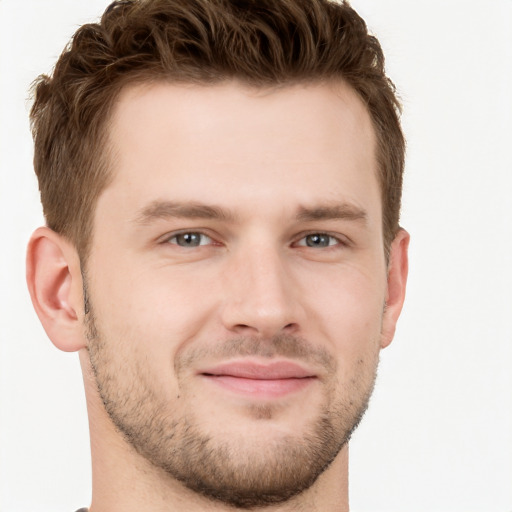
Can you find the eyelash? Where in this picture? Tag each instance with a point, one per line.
(338, 241)
(184, 233)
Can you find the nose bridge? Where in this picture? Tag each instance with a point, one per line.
(260, 294)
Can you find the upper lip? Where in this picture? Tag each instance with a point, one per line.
(261, 371)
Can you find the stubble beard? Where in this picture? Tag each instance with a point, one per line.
(240, 472)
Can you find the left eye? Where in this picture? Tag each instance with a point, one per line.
(190, 239)
(318, 240)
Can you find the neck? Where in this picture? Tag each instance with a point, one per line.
(124, 481)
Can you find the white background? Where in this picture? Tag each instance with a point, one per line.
(438, 435)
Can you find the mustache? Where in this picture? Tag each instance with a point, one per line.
(282, 345)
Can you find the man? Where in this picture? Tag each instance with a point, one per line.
(221, 183)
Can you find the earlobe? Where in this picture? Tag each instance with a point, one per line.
(397, 280)
(55, 286)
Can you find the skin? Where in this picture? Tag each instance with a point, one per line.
(281, 166)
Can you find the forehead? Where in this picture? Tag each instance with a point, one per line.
(242, 145)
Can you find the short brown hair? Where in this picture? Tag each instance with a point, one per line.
(258, 42)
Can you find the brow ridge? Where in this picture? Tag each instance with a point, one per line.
(189, 210)
(192, 210)
(336, 211)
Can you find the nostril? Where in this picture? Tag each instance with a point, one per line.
(290, 328)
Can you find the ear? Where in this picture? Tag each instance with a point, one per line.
(397, 279)
(55, 284)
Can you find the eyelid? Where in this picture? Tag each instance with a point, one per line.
(166, 239)
(343, 241)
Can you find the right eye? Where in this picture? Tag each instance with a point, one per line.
(190, 239)
(318, 240)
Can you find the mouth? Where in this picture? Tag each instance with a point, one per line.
(271, 380)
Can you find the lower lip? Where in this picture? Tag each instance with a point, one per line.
(260, 388)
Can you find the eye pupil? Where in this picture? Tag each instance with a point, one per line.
(189, 239)
(317, 240)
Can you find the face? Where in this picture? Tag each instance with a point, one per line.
(237, 283)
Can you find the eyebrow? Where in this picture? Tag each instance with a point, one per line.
(191, 210)
(337, 211)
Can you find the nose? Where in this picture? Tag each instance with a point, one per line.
(260, 295)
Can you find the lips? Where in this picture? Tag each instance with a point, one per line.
(270, 380)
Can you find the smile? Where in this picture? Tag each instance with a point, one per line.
(260, 380)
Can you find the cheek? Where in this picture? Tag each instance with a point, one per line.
(348, 310)
(156, 309)
(348, 304)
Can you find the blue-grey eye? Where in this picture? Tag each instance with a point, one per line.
(190, 239)
(318, 240)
